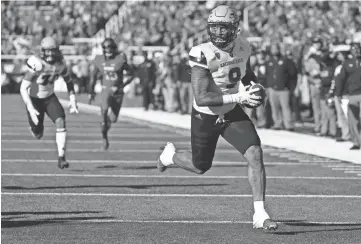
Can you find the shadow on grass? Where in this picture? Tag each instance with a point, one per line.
(26, 223)
(148, 186)
(314, 227)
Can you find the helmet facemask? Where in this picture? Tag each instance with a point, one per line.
(221, 34)
(222, 26)
(50, 55)
(109, 49)
(49, 50)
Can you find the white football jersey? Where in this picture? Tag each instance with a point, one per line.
(227, 70)
(43, 75)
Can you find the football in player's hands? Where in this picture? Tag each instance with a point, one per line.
(261, 93)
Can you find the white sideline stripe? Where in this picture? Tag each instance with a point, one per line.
(169, 195)
(198, 221)
(89, 134)
(178, 176)
(144, 162)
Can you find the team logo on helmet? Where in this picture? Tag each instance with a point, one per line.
(49, 50)
(109, 48)
(222, 25)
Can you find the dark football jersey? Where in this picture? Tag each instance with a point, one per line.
(112, 69)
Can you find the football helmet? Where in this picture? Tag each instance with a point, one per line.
(49, 50)
(222, 26)
(110, 48)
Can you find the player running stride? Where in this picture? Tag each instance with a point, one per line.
(217, 69)
(110, 66)
(37, 91)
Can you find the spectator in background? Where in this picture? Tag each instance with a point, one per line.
(281, 79)
(147, 76)
(342, 131)
(313, 69)
(328, 111)
(185, 85)
(349, 79)
(263, 113)
(170, 90)
(81, 71)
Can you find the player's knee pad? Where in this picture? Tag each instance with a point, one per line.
(202, 166)
(60, 123)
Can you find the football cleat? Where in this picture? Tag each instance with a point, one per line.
(62, 163)
(168, 149)
(37, 135)
(263, 221)
(105, 144)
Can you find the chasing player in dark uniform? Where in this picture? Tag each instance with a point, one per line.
(217, 69)
(37, 91)
(112, 66)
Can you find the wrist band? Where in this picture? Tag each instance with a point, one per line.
(228, 99)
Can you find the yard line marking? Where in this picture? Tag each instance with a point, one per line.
(71, 129)
(342, 165)
(84, 161)
(176, 176)
(169, 195)
(195, 221)
(152, 150)
(90, 141)
(348, 168)
(90, 134)
(353, 172)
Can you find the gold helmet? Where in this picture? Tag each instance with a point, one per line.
(222, 25)
(49, 49)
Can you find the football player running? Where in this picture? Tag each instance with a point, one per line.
(37, 91)
(111, 66)
(220, 75)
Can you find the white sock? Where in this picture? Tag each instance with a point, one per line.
(168, 159)
(167, 156)
(259, 206)
(61, 141)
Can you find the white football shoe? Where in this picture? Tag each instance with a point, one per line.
(166, 157)
(262, 220)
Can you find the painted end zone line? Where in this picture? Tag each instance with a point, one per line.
(177, 176)
(169, 195)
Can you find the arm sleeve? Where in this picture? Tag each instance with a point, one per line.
(340, 80)
(249, 76)
(93, 77)
(292, 74)
(197, 58)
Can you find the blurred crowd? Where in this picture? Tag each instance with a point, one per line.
(64, 20)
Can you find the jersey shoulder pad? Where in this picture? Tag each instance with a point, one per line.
(34, 64)
(121, 58)
(98, 60)
(243, 44)
(197, 57)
